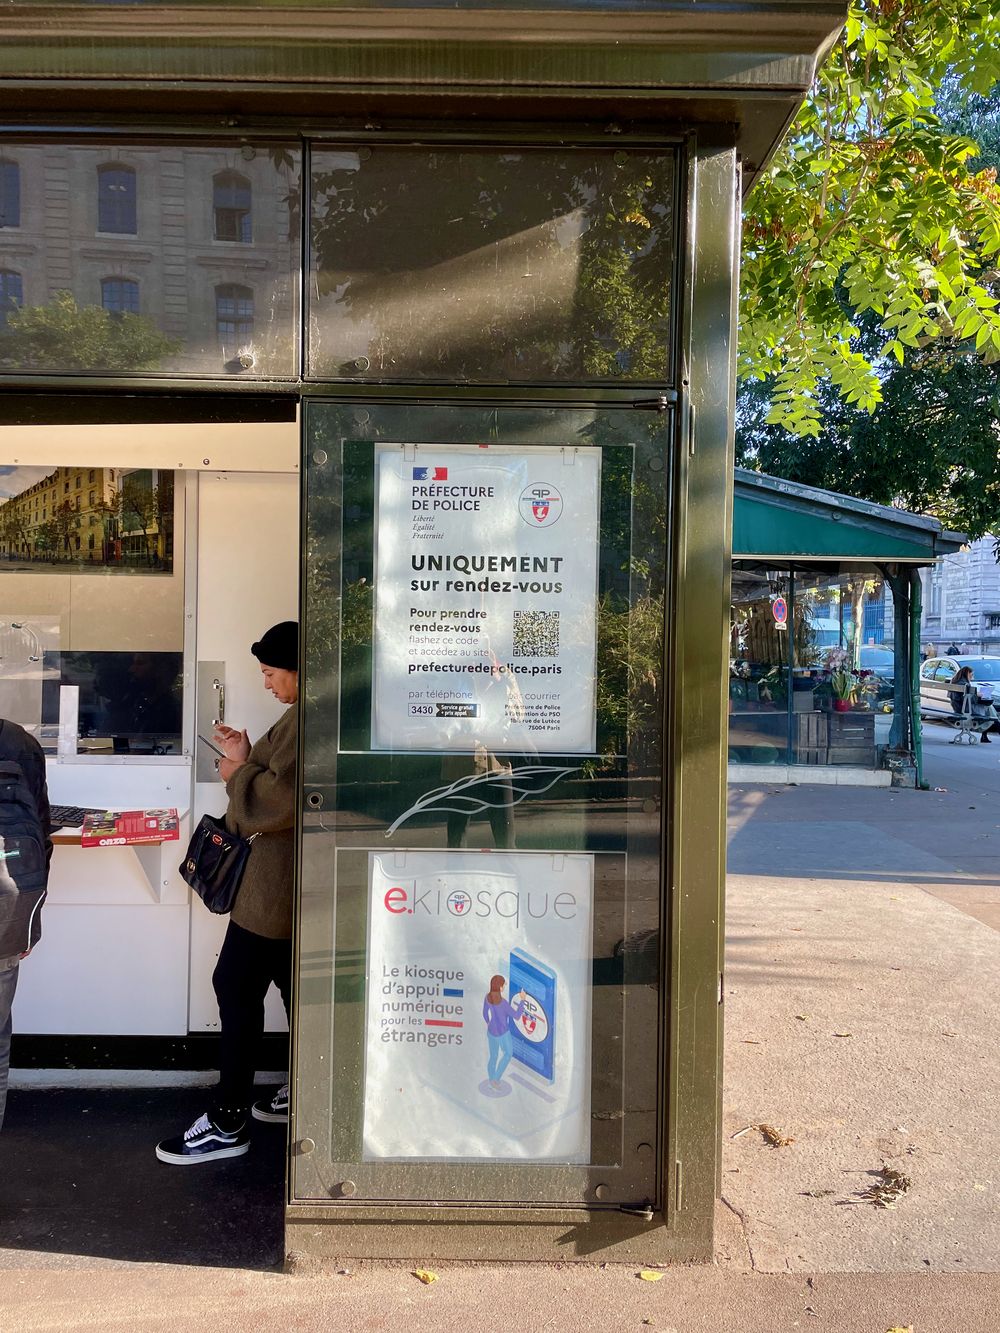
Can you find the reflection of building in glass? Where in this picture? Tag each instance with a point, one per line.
(91, 515)
(198, 240)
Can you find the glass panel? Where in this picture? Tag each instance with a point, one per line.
(495, 265)
(132, 249)
(92, 607)
(841, 684)
(758, 667)
(482, 1023)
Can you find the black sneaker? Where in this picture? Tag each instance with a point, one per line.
(204, 1142)
(274, 1109)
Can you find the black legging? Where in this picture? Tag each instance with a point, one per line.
(501, 815)
(247, 965)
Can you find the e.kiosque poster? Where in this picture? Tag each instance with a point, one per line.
(486, 598)
(478, 1020)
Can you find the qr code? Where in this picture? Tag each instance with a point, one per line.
(536, 633)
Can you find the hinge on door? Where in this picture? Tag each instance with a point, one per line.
(660, 403)
(643, 1210)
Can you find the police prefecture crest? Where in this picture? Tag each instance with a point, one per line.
(540, 505)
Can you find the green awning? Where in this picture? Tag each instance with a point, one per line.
(777, 518)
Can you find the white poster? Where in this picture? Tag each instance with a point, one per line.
(478, 1006)
(486, 598)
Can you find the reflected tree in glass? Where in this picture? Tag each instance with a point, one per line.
(513, 264)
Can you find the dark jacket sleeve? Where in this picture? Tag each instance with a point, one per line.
(33, 764)
(262, 794)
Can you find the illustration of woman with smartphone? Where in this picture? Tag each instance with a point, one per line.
(498, 1014)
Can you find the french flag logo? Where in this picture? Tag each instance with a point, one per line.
(430, 474)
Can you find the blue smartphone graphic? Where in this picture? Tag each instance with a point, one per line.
(534, 1031)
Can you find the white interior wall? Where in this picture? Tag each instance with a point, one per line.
(124, 951)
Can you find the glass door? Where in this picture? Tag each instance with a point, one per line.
(482, 857)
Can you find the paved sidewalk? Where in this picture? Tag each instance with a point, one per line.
(861, 1023)
(870, 913)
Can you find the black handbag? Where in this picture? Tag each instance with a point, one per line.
(214, 863)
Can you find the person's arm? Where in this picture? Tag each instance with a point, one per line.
(35, 773)
(262, 799)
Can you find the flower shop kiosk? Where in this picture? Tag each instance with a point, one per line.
(824, 634)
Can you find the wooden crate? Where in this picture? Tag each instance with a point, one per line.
(811, 740)
(851, 739)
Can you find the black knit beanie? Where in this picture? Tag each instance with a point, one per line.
(279, 647)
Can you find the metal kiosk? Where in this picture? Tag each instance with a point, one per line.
(508, 320)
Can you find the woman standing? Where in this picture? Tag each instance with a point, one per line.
(498, 1014)
(261, 784)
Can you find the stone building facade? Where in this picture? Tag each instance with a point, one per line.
(199, 239)
(961, 601)
(90, 516)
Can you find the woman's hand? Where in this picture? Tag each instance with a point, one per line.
(235, 744)
(227, 767)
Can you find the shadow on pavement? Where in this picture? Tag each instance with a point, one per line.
(78, 1176)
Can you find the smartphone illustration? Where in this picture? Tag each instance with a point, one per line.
(205, 741)
(534, 1031)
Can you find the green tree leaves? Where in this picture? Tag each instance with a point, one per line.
(872, 205)
(65, 336)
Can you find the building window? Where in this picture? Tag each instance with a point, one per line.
(11, 294)
(934, 600)
(116, 200)
(120, 296)
(231, 205)
(993, 622)
(10, 194)
(234, 315)
(90, 474)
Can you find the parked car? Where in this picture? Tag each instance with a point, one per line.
(936, 675)
(881, 662)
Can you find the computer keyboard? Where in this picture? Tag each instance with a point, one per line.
(70, 816)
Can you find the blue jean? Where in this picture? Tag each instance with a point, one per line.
(501, 1053)
(8, 985)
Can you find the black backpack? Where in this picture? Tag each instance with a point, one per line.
(23, 863)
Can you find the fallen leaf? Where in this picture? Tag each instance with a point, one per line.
(817, 1194)
(802, 1017)
(900, 1328)
(747, 1042)
(890, 1186)
(425, 1276)
(772, 1136)
(843, 1034)
(648, 1275)
(647, 1321)
(740, 1132)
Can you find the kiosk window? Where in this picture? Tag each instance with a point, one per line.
(94, 317)
(92, 607)
(487, 265)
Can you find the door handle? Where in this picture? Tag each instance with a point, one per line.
(221, 708)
